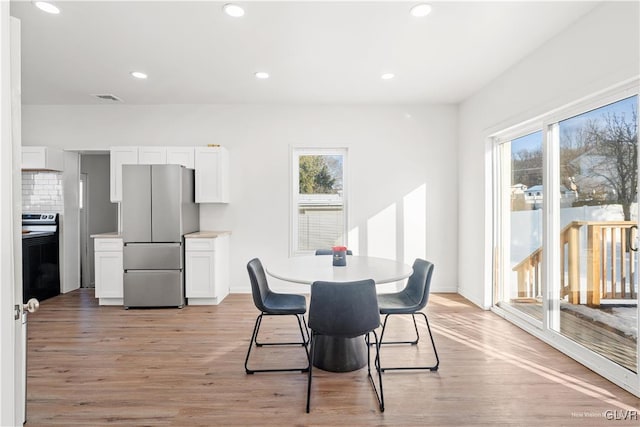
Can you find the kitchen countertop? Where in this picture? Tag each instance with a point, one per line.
(111, 235)
(204, 234)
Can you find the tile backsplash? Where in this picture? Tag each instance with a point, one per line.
(42, 191)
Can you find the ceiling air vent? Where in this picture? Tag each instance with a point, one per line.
(108, 97)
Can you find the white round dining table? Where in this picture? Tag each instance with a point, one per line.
(338, 354)
(308, 269)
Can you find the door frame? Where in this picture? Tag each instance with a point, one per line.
(12, 330)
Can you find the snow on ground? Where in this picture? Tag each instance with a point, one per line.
(623, 319)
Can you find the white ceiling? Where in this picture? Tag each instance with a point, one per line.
(316, 52)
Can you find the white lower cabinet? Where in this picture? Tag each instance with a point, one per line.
(108, 269)
(206, 270)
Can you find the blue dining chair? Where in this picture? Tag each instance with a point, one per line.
(274, 304)
(411, 300)
(345, 310)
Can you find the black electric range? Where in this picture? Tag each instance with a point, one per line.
(40, 256)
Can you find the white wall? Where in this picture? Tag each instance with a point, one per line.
(402, 162)
(598, 51)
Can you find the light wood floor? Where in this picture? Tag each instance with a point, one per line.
(91, 366)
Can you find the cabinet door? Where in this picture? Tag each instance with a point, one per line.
(152, 155)
(42, 158)
(199, 274)
(33, 157)
(181, 156)
(40, 268)
(120, 156)
(109, 275)
(212, 184)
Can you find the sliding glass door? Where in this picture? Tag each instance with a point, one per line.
(598, 171)
(522, 209)
(566, 230)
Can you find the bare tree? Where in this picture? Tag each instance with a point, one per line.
(613, 142)
(526, 167)
(572, 146)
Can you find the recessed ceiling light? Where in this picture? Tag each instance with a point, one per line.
(261, 75)
(47, 7)
(138, 75)
(387, 76)
(421, 10)
(233, 10)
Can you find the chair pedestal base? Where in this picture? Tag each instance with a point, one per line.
(339, 354)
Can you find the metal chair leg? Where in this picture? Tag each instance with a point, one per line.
(433, 344)
(254, 336)
(306, 328)
(379, 395)
(304, 342)
(310, 374)
(415, 326)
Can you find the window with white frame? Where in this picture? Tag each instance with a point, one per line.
(318, 218)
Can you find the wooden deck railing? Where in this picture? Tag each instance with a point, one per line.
(530, 275)
(570, 267)
(610, 264)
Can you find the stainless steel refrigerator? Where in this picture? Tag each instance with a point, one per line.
(158, 208)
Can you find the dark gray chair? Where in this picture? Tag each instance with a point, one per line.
(274, 304)
(330, 252)
(411, 300)
(345, 310)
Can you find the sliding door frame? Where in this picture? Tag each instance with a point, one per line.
(548, 329)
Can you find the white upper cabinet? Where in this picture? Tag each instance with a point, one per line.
(212, 174)
(120, 156)
(42, 158)
(211, 166)
(181, 156)
(166, 155)
(152, 155)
